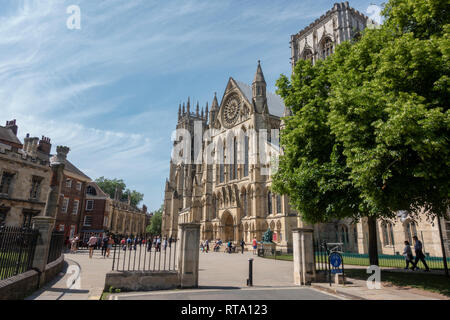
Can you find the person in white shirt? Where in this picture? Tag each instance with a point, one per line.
(91, 244)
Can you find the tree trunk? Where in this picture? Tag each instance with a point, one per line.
(373, 243)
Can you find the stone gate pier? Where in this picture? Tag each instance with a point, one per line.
(164, 269)
(304, 266)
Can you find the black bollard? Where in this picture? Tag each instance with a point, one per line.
(250, 273)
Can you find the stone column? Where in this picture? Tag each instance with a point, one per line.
(304, 268)
(188, 254)
(45, 226)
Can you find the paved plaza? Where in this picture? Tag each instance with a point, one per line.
(222, 276)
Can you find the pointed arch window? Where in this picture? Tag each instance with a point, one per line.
(278, 203)
(245, 203)
(235, 162)
(327, 48)
(213, 207)
(388, 233)
(246, 156)
(222, 167)
(269, 202)
(410, 230)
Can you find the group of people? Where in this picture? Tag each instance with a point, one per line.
(157, 242)
(418, 249)
(106, 244)
(230, 247)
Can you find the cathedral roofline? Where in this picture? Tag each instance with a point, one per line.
(337, 7)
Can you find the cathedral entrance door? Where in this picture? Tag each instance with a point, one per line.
(228, 229)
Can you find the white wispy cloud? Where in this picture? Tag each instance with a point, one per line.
(83, 88)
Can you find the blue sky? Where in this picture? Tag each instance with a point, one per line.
(110, 91)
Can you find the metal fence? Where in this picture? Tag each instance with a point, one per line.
(322, 252)
(17, 247)
(56, 246)
(392, 261)
(146, 254)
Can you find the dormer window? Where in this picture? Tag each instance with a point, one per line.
(91, 191)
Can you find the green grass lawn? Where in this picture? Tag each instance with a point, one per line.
(8, 263)
(425, 281)
(420, 280)
(363, 260)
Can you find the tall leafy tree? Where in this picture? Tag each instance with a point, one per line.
(383, 112)
(154, 228)
(109, 186)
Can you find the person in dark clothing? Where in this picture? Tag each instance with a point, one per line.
(419, 254)
(242, 246)
(105, 245)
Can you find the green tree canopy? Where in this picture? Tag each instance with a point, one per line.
(109, 186)
(154, 228)
(370, 126)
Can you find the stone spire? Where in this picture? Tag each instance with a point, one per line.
(184, 110)
(259, 75)
(197, 109)
(214, 109)
(206, 112)
(179, 112)
(189, 106)
(259, 89)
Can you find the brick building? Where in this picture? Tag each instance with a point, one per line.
(71, 200)
(95, 213)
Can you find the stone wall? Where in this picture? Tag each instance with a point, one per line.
(24, 284)
(142, 280)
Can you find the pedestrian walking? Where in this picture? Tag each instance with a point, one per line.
(418, 247)
(110, 244)
(91, 244)
(407, 253)
(230, 246)
(165, 243)
(207, 245)
(105, 245)
(158, 244)
(254, 245)
(74, 244)
(242, 246)
(129, 243)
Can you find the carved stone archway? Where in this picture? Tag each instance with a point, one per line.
(227, 226)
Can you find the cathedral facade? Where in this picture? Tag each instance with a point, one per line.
(231, 199)
(230, 196)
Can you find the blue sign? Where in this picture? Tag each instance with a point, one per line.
(334, 271)
(335, 259)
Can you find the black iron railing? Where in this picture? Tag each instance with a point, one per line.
(17, 247)
(56, 246)
(145, 255)
(321, 254)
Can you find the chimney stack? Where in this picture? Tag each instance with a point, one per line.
(12, 125)
(44, 145)
(30, 146)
